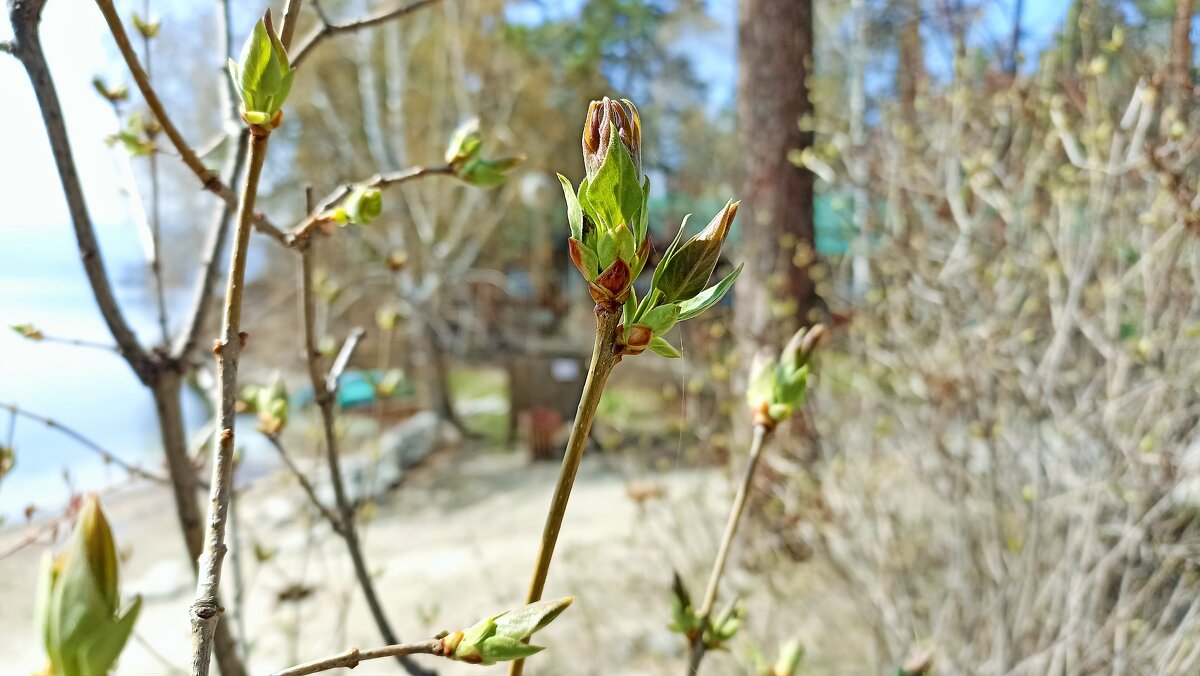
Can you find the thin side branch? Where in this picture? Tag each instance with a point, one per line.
(352, 657)
(106, 455)
(324, 397)
(328, 28)
(696, 653)
(305, 484)
(317, 216)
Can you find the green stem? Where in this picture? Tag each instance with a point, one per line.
(206, 609)
(603, 361)
(696, 653)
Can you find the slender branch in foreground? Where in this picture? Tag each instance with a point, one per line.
(87, 443)
(697, 650)
(317, 215)
(603, 361)
(206, 610)
(324, 396)
(305, 484)
(328, 28)
(352, 657)
(25, 16)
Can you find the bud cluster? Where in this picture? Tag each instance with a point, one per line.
(466, 162)
(686, 620)
(610, 242)
(778, 386)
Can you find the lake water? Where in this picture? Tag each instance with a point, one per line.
(90, 390)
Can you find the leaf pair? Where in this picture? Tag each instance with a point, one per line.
(262, 76)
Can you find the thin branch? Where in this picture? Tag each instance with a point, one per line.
(317, 215)
(305, 484)
(325, 400)
(602, 364)
(25, 16)
(106, 455)
(696, 653)
(352, 657)
(76, 342)
(328, 28)
(206, 609)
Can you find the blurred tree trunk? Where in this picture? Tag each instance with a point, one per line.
(775, 294)
(1179, 80)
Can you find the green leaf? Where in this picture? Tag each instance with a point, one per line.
(625, 245)
(709, 297)
(253, 63)
(606, 249)
(629, 311)
(643, 223)
(574, 211)
(106, 645)
(523, 622)
(615, 192)
(504, 649)
(668, 254)
(661, 347)
(661, 319)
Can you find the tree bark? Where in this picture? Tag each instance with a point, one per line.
(776, 294)
(1180, 80)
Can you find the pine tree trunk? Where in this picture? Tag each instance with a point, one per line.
(776, 294)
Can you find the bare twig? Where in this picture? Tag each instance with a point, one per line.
(87, 443)
(328, 28)
(25, 16)
(325, 399)
(352, 657)
(343, 360)
(603, 361)
(696, 653)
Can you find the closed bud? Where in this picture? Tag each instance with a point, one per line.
(604, 118)
(147, 28)
(262, 77)
(360, 206)
(611, 288)
(111, 94)
(272, 406)
(790, 656)
(78, 603)
(28, 331)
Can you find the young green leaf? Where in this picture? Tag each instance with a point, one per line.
(709, 297)
(661, 347)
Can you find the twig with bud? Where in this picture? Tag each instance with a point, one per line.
(498, 638)
(263, 79)
(777, 388)
(610, 245)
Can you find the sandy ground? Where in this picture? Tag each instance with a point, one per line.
(454, 542)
